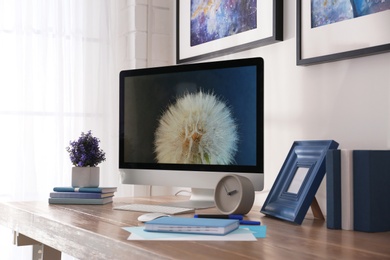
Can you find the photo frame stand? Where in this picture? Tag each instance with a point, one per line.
(296, 185)
(315, 208)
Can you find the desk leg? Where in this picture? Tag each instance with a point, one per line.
(40, 251)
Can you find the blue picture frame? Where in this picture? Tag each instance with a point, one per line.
(298, 180)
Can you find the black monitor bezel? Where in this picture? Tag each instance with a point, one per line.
(258, 168)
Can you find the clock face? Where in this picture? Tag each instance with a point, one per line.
(234, 194)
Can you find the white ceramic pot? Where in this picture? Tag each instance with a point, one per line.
(85, 177)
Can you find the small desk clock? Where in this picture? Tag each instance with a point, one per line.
(234, 194)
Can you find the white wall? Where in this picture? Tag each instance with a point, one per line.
(348, 101)
(146, 33)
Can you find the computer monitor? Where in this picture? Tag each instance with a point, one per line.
(190, 125)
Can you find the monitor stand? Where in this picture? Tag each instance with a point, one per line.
(200, 199)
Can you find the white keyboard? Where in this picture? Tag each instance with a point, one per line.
(154, 208)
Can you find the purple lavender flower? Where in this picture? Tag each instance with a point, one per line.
(85, 151)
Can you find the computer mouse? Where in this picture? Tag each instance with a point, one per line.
(150, 216)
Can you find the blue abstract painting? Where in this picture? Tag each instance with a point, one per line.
(325, 12)
(216, 19)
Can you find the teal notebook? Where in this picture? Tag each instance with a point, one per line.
(96, 190)
(206, 226)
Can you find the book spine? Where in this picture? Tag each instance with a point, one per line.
(79, 201)
(371, 190)
(333, 189)
(90, 190)
(346, 189)
(69, 189)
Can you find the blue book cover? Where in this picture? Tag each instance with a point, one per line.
(80, 195)
(371, 181)
(80, 201)
(95, 190)
(333, 189)
(192, 225)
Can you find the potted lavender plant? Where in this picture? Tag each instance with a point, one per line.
(85, 154)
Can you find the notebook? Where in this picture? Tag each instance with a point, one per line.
(192, 225)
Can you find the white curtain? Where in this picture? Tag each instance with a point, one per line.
(58, 78)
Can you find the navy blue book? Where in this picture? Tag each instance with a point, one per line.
(333, 189)
(371, 190)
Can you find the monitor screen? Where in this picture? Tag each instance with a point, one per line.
(194, 120)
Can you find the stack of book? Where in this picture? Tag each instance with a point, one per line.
(71, 195)
(358, 190)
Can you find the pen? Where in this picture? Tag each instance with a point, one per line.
(249, 222)
(239, 217)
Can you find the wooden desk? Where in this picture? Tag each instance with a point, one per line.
(95, 232)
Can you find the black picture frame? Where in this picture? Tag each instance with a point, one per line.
(355, 47)
(186, 53)
(291, 196)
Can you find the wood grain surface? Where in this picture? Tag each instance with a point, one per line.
(95, 232)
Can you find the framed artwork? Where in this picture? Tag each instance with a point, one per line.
(207, 29)
(351, 28)
(298, 180)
